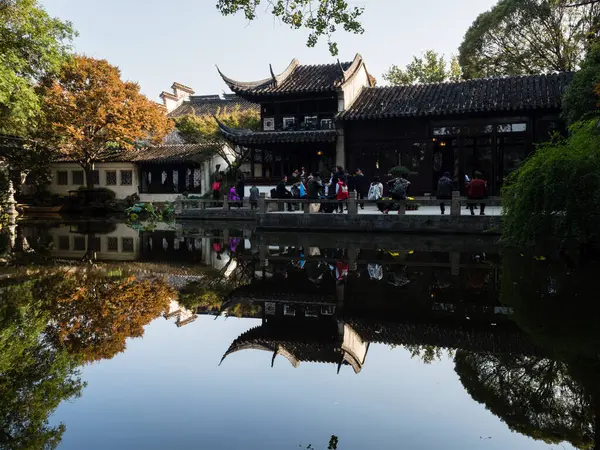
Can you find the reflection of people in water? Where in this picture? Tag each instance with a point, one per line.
(341, 270)
(397, 276)
(217, 248)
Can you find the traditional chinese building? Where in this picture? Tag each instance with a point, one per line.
(298, 108)
(486, 125)
(321, 116)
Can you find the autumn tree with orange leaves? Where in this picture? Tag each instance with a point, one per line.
(93, 313)
(90, 113)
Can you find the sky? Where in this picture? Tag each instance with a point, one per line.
(156, 43)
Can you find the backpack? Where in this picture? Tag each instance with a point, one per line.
(374, 193)
(399, 189)
(216, 186)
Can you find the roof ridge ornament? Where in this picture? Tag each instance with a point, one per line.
(275, 82)
(341, 70)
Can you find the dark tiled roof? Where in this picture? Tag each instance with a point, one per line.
(496, 339)
(171, 153)
(517, 93)
(202, 105)
(153, 154)
(298, 78)
(249, 137)
(297, 344)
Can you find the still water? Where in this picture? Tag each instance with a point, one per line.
(182, 337)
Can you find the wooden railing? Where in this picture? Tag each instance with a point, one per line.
(273, 205)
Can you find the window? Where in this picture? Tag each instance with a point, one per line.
(126, 177)
(77, 177)
(111, 177)
(95, 177)
(326, 124)
(311, 311)
(270, 308)
(328, 310)
(512, 128)
(127, 245)
(113, 244)
(289, 310)
(62, 178)
(63, 242)
(269, 124)
(79, 243)
(289, 123)
(310, 123)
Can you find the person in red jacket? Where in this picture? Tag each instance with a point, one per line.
(342, 194)
(477, 190)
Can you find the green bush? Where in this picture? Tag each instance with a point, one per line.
(556, 192)
(401, 171)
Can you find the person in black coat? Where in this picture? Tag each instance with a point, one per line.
(240, 187)
(282, 192)
(361, 185)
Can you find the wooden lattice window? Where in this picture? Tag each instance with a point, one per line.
(126, 177)
(127, 244)
(111, 177)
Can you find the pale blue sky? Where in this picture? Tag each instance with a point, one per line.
(156, 42)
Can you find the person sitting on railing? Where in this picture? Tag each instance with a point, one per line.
(477, 190)
(234, 197)
(444, 190)
(399, 190)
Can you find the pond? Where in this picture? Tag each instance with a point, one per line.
(181, 336)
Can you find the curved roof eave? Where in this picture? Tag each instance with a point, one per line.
(237, 86)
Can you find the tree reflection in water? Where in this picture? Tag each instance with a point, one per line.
(555, 398)
(50, 325)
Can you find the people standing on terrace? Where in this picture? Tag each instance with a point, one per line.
(477, 190)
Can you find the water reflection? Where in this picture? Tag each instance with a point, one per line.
(521, 332)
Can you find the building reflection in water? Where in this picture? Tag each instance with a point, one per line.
(523, 333)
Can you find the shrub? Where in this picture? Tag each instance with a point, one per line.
(556, 192)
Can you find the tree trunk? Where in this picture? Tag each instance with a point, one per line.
(88, 169)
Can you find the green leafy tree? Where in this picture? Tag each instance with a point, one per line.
(35, 376)
(321, 17)
(33, 45)
(555, 194)
(429, 68)
(520, 37)
(581, 99)
(204, 130)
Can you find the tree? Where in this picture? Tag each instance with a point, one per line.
(35, 376)
(554, 194)
(518, 37)
(582, 96)
(90, 113)
(320, 17)
(33, 45)
(204, 130)
(93, 313)
(430, 68)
